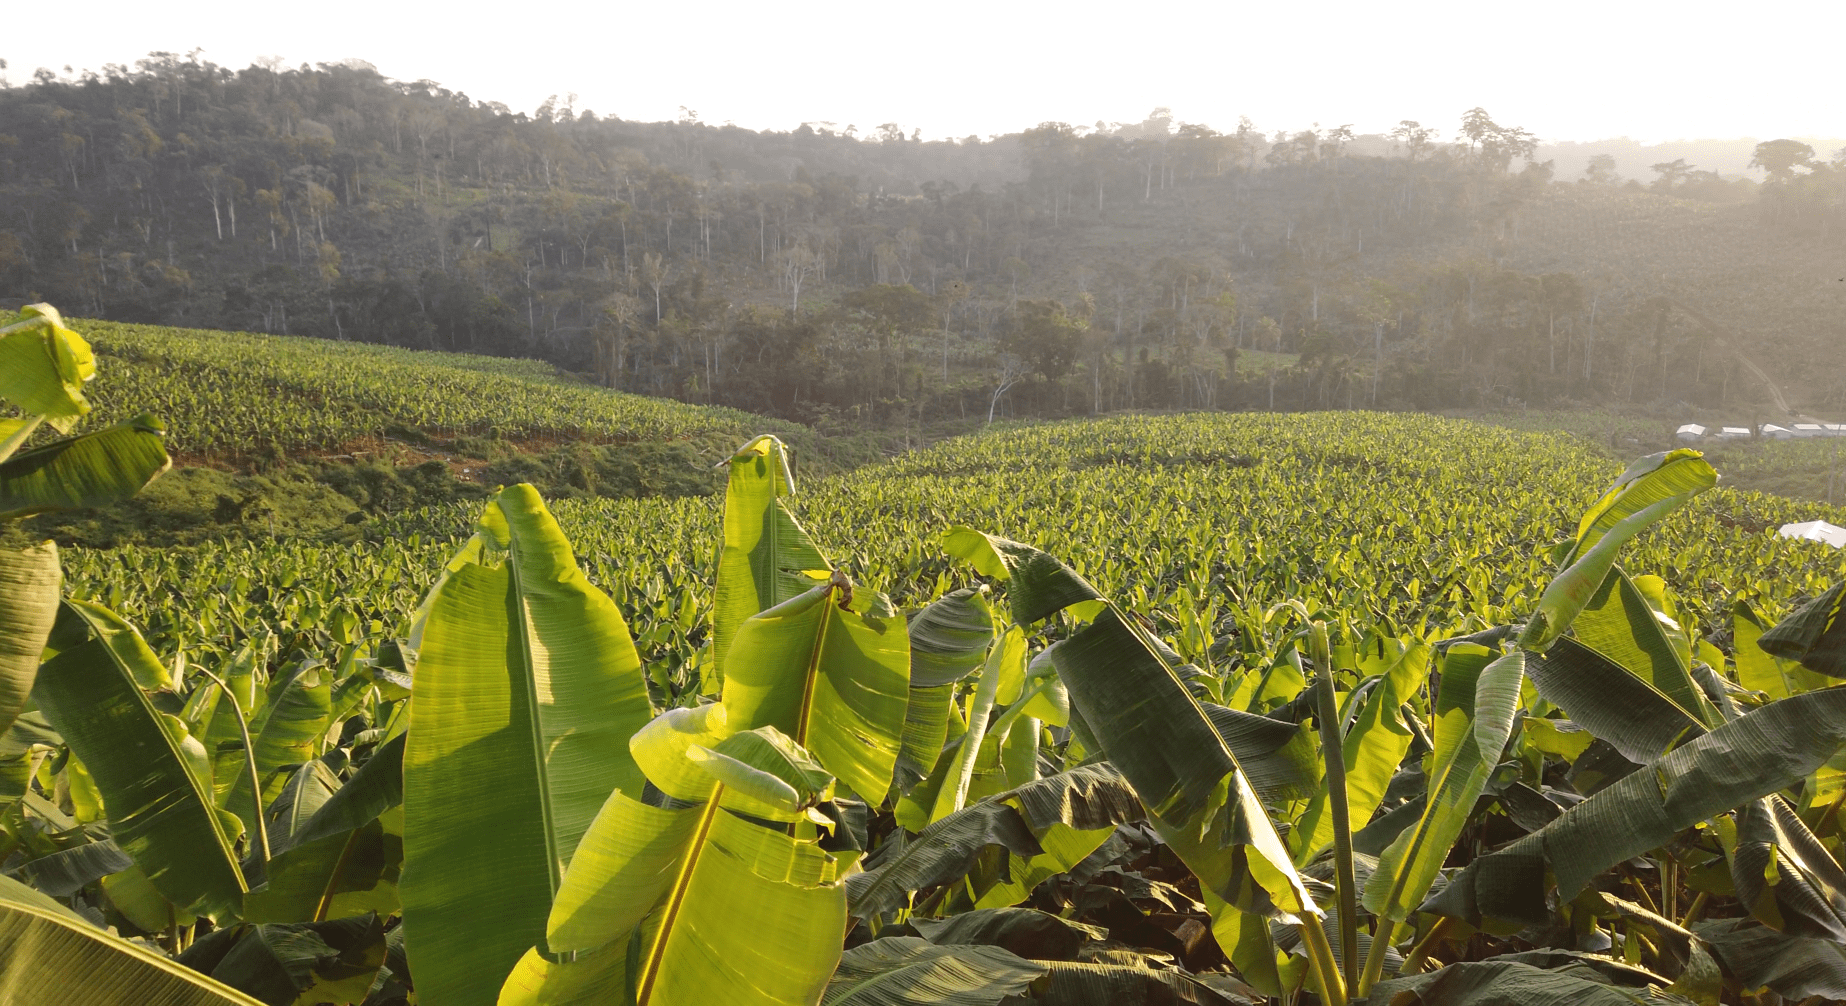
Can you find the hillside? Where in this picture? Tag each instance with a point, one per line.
(894, 281)
(296, 436)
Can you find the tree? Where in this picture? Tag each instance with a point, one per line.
(1415, 139)
(1672, 174)
(1780, 158)
(1601, 170)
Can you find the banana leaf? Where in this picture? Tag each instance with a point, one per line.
(949, 637)
(44, 366)
(1814, 636)
(1621, 624)
(308, 788)
(906, 971)
(831, 669)
(223, 739)
(317, 962)
(290, 735)
(926, 731)
(154, 780)
(1568, 592)
(1076, 983)
(528, 689)
(1280, 758)
(96, 469)
(765, 552)
(1037, 584)
(1757, 957)
(30, 584)
(346, 859)
(1756, 668)
(1027, 932)
(695, 904)
(1509, 983)
(1458, 772)
(1081, 806)
(1784, 875)
(51, 951)
(67, 871)
(1611, 702)
(1197, 796)
(1759, 753)
(1646, 482)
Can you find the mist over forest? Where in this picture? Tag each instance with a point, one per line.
(862, 273)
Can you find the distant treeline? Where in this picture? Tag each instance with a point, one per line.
(877, 277)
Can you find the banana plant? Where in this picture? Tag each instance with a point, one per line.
(59, 956)
(528, 687)
(43, 369)
(704, 900)
(1154, 731)
(766, 557)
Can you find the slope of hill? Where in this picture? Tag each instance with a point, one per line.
(296, 436)
(229, 396)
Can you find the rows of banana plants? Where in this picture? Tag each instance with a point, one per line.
(1027, 779)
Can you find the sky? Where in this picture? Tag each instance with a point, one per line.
(1568, 70)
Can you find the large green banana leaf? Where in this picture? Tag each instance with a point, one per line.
(290, 735)
(765, 551)
(1784, 875)
(44, 366)
(1568, 592)
(48, 954)
(831, 669)
(1197, 796)
(154, 779)
(1037, 583)
(1372, 750)
(1280, 758)
(949, 637)
(1646, 482)
(1815, 636)
(96, 469)
(1611, 702)
(1005, 671)
(1757, 957)
(1759, 753)
(1621, 624)
(528, 688)
(906, 971)
(692, 905)
(222, 736)
(1458, 772)
(30, 582)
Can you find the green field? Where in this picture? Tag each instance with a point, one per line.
(1416, 520)
(1226, 691)
(238, 394)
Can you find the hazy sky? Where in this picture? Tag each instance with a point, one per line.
(1565, 70)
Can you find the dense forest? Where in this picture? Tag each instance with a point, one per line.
(866, 275)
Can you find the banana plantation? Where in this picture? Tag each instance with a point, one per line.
(867, 751)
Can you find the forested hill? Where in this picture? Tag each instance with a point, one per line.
(879, 277)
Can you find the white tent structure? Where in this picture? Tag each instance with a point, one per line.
(1816, 530)
(1802, 431)
(1690, 432)
(1773, 432)
(1734, 433)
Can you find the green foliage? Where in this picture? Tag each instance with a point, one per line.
(1098, 718)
